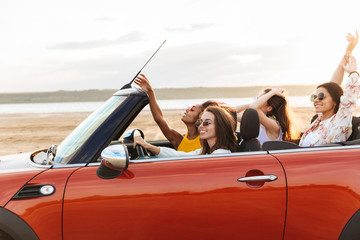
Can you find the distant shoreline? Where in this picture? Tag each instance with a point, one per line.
(161, 94)
(31, 132)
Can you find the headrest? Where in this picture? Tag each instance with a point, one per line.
(278, 145)
(250, 125)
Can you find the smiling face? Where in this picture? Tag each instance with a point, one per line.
(208, 132)
(191, 114)
(325, 106)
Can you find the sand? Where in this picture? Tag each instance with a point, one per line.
(30, 132)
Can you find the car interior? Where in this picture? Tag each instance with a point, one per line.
(246, 138)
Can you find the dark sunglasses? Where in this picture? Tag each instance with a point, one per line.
(204, 123)
(191, 109)
(320, 96)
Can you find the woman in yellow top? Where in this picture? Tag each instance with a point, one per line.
(186, 143)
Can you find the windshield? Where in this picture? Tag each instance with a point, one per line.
(78, 137)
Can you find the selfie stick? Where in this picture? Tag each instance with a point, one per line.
(129, 84)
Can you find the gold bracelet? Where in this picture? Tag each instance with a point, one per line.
(346, 58)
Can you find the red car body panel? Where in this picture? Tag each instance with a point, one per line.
(181, 199)
(323, 192)
(44, 214)
(13, 181)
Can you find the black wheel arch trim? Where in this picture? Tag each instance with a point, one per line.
(15, 227)
(351, 229)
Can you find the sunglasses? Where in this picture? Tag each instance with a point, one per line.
(191, 109)
(204, 123)
(320, 96)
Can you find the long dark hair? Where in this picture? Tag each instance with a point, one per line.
(280, 110)
(224, 130)
(335, 92)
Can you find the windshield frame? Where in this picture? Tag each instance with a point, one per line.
(84, 130)
(97, 130)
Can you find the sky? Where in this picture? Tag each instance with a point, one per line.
(101, 44)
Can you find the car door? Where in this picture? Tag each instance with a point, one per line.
(186, 198)
(323, 191)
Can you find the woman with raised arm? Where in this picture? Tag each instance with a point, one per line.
(334, 106)
(274, 117)
(216, 127)
(188, 142)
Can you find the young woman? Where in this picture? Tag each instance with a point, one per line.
(333, 105)
(273, 110)
(216, 127)
(334, 108)
(188, 142)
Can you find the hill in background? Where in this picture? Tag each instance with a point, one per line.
(161, 93)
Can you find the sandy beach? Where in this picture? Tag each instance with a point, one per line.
(31, 132)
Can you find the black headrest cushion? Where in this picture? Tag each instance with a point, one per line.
(249, 127)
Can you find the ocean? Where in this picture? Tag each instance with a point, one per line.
(298, 101)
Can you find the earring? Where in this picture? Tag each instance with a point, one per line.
(272, 117)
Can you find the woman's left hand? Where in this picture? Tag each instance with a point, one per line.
(351, 66)
(278, 92)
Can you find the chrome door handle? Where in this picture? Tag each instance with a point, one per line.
(262, 178)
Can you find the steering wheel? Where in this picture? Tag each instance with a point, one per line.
(129, 138)
(141, 151)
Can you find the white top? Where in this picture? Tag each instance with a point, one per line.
(263, 137)
(307, 140)
(169, 152)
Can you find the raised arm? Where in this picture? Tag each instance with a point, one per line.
(239, 109)
(338, 75)
(270, 125)
(172, 135)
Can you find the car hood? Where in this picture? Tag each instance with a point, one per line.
(15, 163)
(15, 172)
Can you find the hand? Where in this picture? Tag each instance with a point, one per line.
(278, 92)
(353, 40)
(138, 140)
(351, 66)
(143, 83)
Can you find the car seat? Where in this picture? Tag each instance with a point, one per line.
(355, 129)
(249, 131)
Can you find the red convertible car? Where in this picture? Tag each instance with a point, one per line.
(95, 185)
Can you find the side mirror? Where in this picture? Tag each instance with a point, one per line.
(114, 161)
